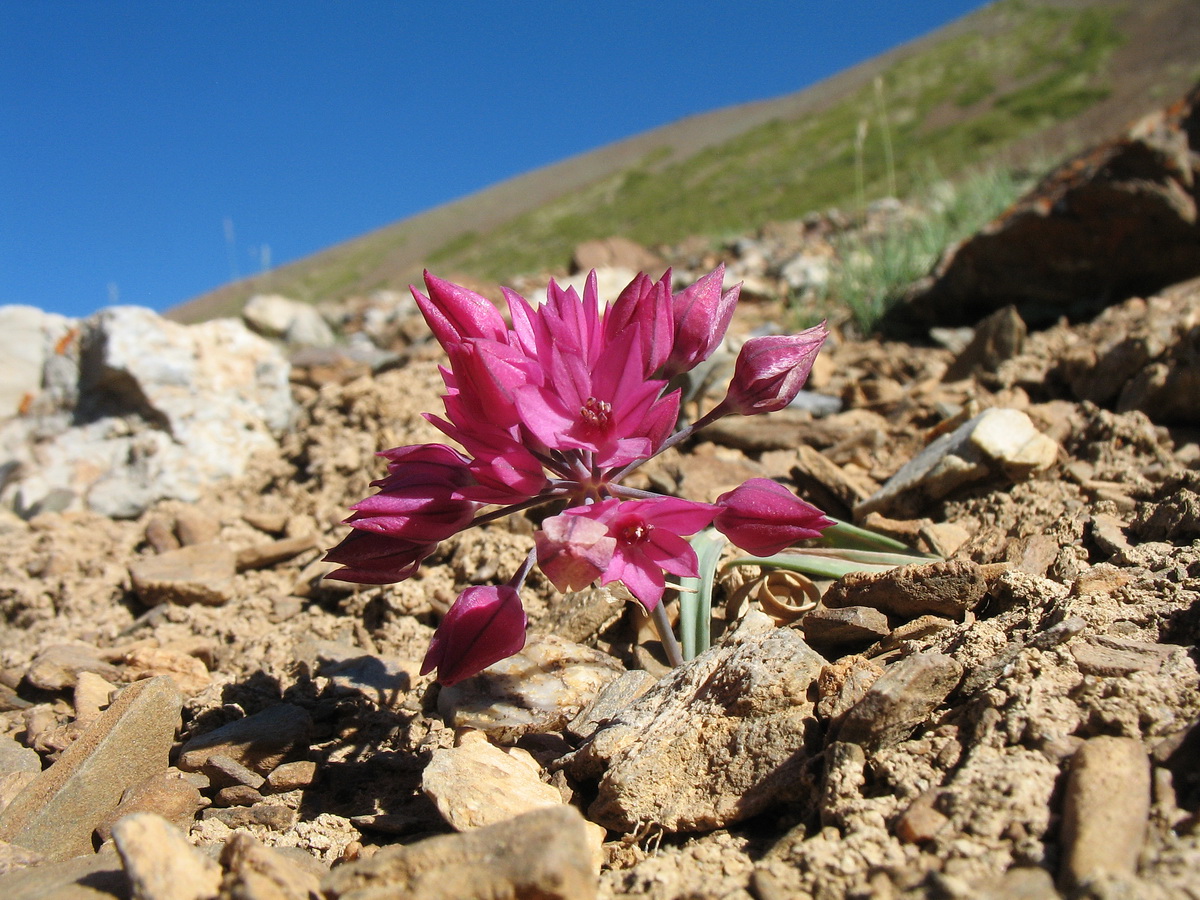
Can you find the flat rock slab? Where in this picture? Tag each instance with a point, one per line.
(57, 812)
(995, 446)
(849, 626)
(940, 588)
(900, 699)
(259, 742)
(543, 854)
(718, 740)
(200, 573)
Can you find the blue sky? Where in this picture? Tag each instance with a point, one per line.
(151, 151)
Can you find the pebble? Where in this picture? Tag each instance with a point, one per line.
(160, 534)
(921, 822)
(168, 794)
(580, 616)
(92, 694)
(259, 742)
(269, 815)
(997, 444)
(903, 697)
(751, 692)
(1021, 883)
(197, 573)
(263, 556)
(842, 684)
(1110, 656)
(948, 588)
(189, 673)
(237, 795)
(161, 863)
(194, 527)
(57, 668)
(96, 876)
(293, 775)
(57, 813)
(544, 854)
(384, 680)
(477, 784)
(849, 626)
(539, 689)
(1106, 810)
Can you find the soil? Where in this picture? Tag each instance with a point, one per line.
(1099, 554)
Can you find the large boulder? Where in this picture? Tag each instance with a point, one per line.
(130, 408)
(1117, 221)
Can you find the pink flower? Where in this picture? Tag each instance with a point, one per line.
(455, 313)
(701, 315)
(649, 540)
(483, 626)
(419, 499)
(370, 558)
(770, 370)
(573, 550)
(645, 305)
(763, 517)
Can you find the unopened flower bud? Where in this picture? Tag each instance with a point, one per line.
(770, 370)
(763, 517)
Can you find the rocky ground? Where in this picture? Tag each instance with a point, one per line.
(190, 710)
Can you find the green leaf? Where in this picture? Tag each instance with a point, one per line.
(695, 600)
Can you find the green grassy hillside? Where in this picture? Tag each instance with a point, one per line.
(1019, 77)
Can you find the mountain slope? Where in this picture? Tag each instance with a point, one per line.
(1016, 80)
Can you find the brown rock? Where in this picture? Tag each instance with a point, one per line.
(847, 626)
(293, 775)
(57, 667)
(263, 556)
(269, 815)
(543, 854)
(999, 337)
(256, 872)
(1105, 810)
(259, 742)
(842, 684)
(57, 813)
(199, 573)
(189, 673)
(160, 862)
(903, 697)
(167, 794)
(614, 252)
(948, 588)
(92, 877)
(195, 527)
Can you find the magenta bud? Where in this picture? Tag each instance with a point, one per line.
(701, 314)
(484, 625)
(367, 557)
(770, 370)
(763, 517)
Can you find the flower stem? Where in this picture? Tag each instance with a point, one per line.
(681, 435)
(662, 624)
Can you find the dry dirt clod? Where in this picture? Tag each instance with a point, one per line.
(949, 588)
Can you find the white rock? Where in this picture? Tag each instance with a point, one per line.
(27, 337)
(806, 272)
(138, 409)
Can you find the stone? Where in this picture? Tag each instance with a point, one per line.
(57, 813)
(224, 772)
(27, 337)
(1114, 657)
(257, 872)
(96, 876)
(267, 814)
(298, 324)
(200, 573)
(539, 689)
(92, 693)
(900, 699)
(134, 409)
(580, 616)
(921, 822)
(842, 684)
(615, 252)
(187, 671)
(1021, 883)
(752, 693)
(1106, 809)
(293, 775)
(16, 758)
(821, 481)
(610, 701)
(263, 556)
(998, 337)
(161, 863)
(949, 588)
(192, 526)
(477, 784)
(167, 794)
(260, 742)
(848, 626)
(58, 667)
(543, 854)
(996, 445)
(1115, 221)
(384, 680)
(237, 795)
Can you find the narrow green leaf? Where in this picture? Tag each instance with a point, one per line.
(695, 601)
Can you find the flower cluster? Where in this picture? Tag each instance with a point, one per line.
(560, 407)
